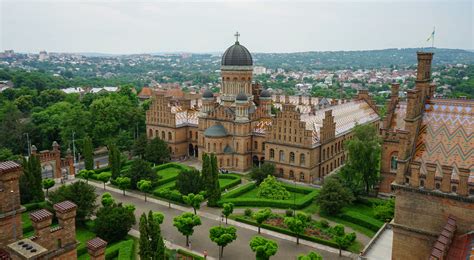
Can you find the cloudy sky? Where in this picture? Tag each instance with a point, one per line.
(284, 26)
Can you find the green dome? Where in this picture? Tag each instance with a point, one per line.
(215, 131)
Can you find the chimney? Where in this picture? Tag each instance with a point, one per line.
(463, 181)
(66, 214)
(42, 220)
(96, 248)
(446, 182)
(424, 65)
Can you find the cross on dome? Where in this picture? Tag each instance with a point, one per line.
(237, 34)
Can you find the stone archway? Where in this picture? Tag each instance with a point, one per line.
(191, 150)
(196, 151)
(255, 161)
(52, 164)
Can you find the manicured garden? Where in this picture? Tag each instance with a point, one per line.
(246, 195)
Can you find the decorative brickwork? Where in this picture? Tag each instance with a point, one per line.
(10, 208)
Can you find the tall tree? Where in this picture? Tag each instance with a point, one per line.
(364, 154)
(144, 241)
(11, 128)
(222, 236)
(140, 170)
(206, 173)
(258, 174)
(115, 160)
(185, 224)
(189, 181)
(157, 244)
(215, 191)
(114, 222)
(88, 153)
(157, 151)
(263, 248)
(333, 196)
(139, 146)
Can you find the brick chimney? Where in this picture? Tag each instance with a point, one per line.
(66, 214)
(96, 248)
(42, 220)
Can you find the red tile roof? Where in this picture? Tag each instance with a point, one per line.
(8, 166)
(4, 255)
(40, 215)
(145, 92)
(96, 243)
(65, 206)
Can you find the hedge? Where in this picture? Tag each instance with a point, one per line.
(361, 220)
(299, 203)
(35, 205)
(236, 181)
(288, 232)
(174, 195)
(166, 166)
(122, 250)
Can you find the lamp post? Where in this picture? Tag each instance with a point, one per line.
(28, 144)
(73, 147)
(294, 197)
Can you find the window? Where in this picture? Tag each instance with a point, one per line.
(292, 175)
(324, 154)
(302, 159)
(208, 147)
(272, 154)
(169, 136)
(301, 176)
(280, 172)
(255, 145)
(190, 134)
(163, 135)
(292, 157)
(214, 147)
(220, 147)
(228, 162)
(236, 162)
(282, 155)
(393, 163)
(471, 192)
(407, 180)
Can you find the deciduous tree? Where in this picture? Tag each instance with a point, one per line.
(193, 200)
(185, 224)
(88, 153)
(48, 184)
(333, 196)
(261, 216)
(145, 187)
(114, 222)
(123, 183)
(227, 209)
(263, 248)
(222, 236)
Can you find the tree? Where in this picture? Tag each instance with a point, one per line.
(193, 200)
(47, 184)
(206, 173)
(333, 196)
(141, 170)
(88, 153)
(258, 174)
(104, 177)
(145, 186)
(139, 146)
(115, 161)
(297, 224)
(155, 219)
(214, 194)
(144, 240)
(86, 174)
(310, 256)
(263, 248)
(344, 241)
(166, 194)
(364, 154)
(82, 194)
(261, 216)
(385, 211)
(31, 188)
(123, 183)
(107, 200)
(270, 188)
(157, 151)
(189, 181)
(227, 209)
(185, 224)
(114, 222)
(222, 236)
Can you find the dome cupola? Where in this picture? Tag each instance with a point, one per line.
(237, 55)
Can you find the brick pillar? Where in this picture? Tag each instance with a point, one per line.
(66, 214)
(415, 173)
(430, 175)
(463, 181)
(10, 208)
(57, 158)
(300, 100)
(446, 182)
(96, 248)
(41, 220)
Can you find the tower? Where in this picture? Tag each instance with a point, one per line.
(236, 72)
(10, 207)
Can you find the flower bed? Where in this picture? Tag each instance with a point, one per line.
(300, 197)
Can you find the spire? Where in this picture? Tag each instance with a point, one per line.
(237, 34)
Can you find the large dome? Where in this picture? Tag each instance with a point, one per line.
(237, 55)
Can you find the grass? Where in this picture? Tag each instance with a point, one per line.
(253, 194)
(168, 172)
(368, 232)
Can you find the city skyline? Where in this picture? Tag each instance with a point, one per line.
(123, 27)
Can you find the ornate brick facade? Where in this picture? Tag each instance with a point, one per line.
(304, 138)
(427, 158)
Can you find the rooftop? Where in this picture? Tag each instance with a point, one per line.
(8, 166)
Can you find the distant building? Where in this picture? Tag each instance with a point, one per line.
(259, 70)
(145, 93)
(43, 55)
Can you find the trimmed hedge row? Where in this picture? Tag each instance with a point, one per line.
(173, 195)
(233, 196)
(122, 251)
(236, 181)
(361, 220)
(166, 166)
(288, 232)
(35, 205)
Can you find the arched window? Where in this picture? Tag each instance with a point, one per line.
(437, 185)
(292, 175)
(454, 188)
(302, 159)
(272, 154)
(393, 162)
(228, 162)
(220, 147)
(292, 157)
(169, 136)
(214, 147)
(324, 154)
(323, 171)
(301, 176)
(163, 135)
(471, 192)
(150, 133)
(236, 162)
(237, 146)
(280, 172)
(208, 147)
(282, 155)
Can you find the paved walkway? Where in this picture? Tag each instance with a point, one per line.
(200, 241)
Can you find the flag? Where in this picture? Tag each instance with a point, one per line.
(431, 35)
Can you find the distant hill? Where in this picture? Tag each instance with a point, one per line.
(359, 59)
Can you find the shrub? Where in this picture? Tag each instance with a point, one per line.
(324, 223)
(114, 222)
(385, 211)
(236, 181)
(361, 220)
(248, 212)
(333, 196)
(289, 213)
(168, 194)
(189, 181)
(270, 188)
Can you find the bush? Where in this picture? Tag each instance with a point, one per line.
(189, 181)
(289, 213)
(239, 191)
(121, 251)
(270, 188)
(324, 223)
(114, 222)
(248, 212)
(168, 194)
(361, 220)
(35, 205)
(385, 211)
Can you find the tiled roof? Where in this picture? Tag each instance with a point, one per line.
(145, 92)
(40, 215)
(8, 166)
(64, 206)
(447, 134)
(96, 243)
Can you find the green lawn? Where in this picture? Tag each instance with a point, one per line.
(168, 172)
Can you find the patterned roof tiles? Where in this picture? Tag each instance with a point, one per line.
(8, 166)
(64, 206)
(96, 243)
(446, 135)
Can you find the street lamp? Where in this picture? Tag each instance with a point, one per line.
(294, 197)
(73, 147)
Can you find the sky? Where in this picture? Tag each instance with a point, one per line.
(126, 27)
